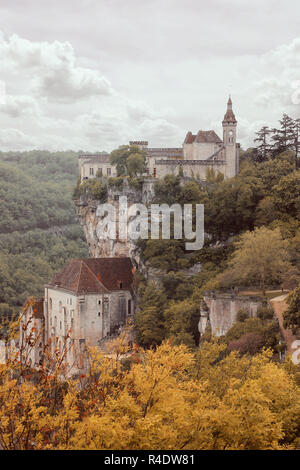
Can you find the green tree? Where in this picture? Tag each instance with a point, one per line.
(119, 157)
(135, 164)
(287, 195)
(260, 256)
(292, 314)
(263, 146)
(149, 317)
(181, 322)
(283, 138)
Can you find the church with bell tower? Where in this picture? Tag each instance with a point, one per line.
(201, 154)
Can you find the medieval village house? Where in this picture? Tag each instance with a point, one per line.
(89, 301)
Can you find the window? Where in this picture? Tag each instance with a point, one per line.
(60, 325)
(108, 171)
(91, 171)
(129, 307)
(154, 172)
(122, 308)
(99, 172)
(50, 304)
(71, 301)
(120, 284)
(99, 302)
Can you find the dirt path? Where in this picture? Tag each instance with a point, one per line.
(279, 305)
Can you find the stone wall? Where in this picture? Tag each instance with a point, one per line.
(87, 318)
(190, 168)
(200, 150)
(220, 311)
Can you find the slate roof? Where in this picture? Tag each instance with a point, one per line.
(95, 275)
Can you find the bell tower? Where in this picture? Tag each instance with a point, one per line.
(229, 139)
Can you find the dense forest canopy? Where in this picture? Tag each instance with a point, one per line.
(39, 232)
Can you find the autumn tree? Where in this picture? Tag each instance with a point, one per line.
(260, 256)
(170, 398)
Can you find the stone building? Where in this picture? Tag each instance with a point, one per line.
(85, 304)
(92, 165)
(199, 152)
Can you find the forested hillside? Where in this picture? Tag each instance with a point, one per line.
(252, 225)
(38, 229)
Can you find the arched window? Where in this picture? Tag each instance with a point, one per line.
(230, 137)
(50, 304)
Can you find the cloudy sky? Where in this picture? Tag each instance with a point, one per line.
(94, 74)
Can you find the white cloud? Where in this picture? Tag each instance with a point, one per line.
(53, 68)
(168, 75)
(280, 74)
(21, 105)
(14, 139)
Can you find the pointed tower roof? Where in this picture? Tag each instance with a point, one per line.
(229, 116)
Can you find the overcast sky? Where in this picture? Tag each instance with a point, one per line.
(94, 74)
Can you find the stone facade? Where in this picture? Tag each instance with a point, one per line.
(199, 152)
(92, 165)
(220, 311)
(190, 168)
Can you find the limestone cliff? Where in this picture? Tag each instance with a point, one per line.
(86, 209)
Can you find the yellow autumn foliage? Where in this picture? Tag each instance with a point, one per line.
(169, 398)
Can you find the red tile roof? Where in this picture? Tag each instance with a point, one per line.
(95, 275)
(203, 137)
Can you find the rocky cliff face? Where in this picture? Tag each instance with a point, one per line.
(86, 209)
